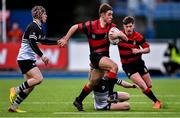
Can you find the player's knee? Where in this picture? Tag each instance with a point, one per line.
(127, 106)
(114, 68)
(123, 96)
(127, 96)
(39, 80)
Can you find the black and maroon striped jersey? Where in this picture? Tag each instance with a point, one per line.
(136, 40)
(97, 36)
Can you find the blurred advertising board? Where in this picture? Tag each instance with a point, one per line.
(58, 56)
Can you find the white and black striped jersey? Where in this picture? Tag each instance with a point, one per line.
(32, 35)
(101, 93)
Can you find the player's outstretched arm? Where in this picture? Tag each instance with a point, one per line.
(63, 41)
(126, 84)
(48, 42)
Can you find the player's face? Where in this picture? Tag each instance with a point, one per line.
(44, 17)
(108, 16)
(129, 28)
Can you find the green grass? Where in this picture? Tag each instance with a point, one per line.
(54, 97)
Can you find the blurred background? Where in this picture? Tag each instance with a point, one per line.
(157, 20)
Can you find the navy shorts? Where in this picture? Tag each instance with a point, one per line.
(26, 65)
(138, 66)
(95, 58)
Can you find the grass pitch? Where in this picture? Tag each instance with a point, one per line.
(54, 97)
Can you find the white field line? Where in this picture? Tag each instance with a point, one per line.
(90, 117)
(117, 113)
(171, 96)
(176, 103)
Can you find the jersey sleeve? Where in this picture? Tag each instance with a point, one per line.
(33, 37)
(84, 27)
(46, 41)
(145, 44)
(141, 40)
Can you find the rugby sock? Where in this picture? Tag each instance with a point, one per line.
(85, 91)
(21, 97)
(150, 94)
(22, 87)
(111, 81)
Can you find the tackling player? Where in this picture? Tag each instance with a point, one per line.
(26, 58)
(97, 35)
(100, 94)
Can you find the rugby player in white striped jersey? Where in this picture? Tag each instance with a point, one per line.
(26, 58)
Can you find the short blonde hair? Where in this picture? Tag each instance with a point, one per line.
(37, 12)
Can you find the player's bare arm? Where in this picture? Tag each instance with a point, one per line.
(126, 84)
(63, 41)
(142, 51)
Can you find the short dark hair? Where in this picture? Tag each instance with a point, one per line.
(128, 19)
(37, 11)
(104, 7)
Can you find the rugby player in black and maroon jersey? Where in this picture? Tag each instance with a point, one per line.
(132, 63)
(97, 35)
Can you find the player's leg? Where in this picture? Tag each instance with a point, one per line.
(33, 77)
(107, 64)
(120, 106)
(123, 96)
(157, 104)
(147, 79)
(94, 76)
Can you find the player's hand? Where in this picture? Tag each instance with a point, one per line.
(135, 51)
(135, 86)
(62, 42)
(122, 36)
(45, 60)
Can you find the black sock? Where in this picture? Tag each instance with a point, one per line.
(23, 86)
(111, 83)
(150, 94)
(20, 98)
(85, 92)
(111, 76)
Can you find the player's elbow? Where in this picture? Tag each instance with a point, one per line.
(148, 50)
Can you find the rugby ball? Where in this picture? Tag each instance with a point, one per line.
(114, 40)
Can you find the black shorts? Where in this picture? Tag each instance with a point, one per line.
(96, 57)
(138, 66)
(26, 65)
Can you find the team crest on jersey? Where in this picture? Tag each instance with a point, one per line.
(103, 87)
(134, 43)
(39, 36)
(106, 36)
(93, 36)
